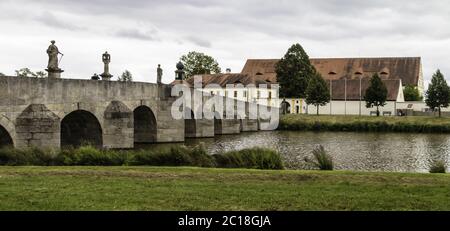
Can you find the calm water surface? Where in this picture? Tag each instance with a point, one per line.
(391, 152)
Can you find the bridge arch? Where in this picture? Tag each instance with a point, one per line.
(5, 138)
(81, 127)
(145, 126)
(218, 123)
(7, 132)
(190, 126)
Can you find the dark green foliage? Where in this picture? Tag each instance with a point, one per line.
(294, 71)
(322, 160)
(31, 156)
(126, 77)
(196, 63)
(258, 158)
(26, 72)
(438, 93)
(174, 156)
(438, 166)
(376, 93)
(411, 93)
(317, 92)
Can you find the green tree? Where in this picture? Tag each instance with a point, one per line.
(126, 76)
(294, 71)
(438, 93)
(40, 74)
(376, 93)
(411, 93)
(196, 63)
(317, 92)
(26, 72)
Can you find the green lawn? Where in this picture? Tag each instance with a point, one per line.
(365, 123)
(183, 188)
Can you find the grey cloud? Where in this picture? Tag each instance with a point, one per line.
(137, 34)
(199, 41)
(49, 19)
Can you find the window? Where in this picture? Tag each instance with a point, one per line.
(212, 92)
(270, 95)
(258, 94)
(235, 94)
(245, 93)
(226, 93)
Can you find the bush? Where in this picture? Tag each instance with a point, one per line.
(29, 156)
(322, 159)
(438, 167)
(174, 156)
(258, 158)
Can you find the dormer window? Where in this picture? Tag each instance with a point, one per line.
(332, 73)
(268, 81)
(358, 73)
(259, 73)
(384, 72)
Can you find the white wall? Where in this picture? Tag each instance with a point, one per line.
(351, 108)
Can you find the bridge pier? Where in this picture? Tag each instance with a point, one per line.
(249, 125)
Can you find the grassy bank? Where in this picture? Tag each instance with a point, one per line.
(258, 158)
(365, 123)
(187, 188)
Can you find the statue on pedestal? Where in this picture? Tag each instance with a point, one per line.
(106, 60)
(53, 64)
(159, 74)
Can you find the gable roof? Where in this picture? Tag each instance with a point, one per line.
(338, 90)
(224, 79)
(408, 69)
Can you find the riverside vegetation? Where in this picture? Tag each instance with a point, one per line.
(297, 122)
(258, 158)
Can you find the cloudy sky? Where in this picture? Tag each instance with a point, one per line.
(139, 34)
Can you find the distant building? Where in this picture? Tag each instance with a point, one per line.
(348, 79)
(249, 88)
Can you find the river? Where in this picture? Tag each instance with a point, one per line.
(388, 152)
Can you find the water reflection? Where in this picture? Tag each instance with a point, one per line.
(397, 152)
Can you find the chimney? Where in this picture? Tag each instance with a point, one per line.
(228, 70)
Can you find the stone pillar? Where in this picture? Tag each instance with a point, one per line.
(37, 126)
(54, 74)
(106, 58)
(118, 128)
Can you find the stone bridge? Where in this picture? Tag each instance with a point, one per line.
(46, 112)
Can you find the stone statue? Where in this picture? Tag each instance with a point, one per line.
(53, 53)
(106, 58)
(159, 74)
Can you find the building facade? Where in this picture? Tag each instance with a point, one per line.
(348, 79)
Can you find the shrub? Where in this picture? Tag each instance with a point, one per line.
(438, 167)
(258, 158)
(322, 159)
(29, 156)
(174, 156)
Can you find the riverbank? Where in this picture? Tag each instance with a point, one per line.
(297, 122)
(187, 188)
